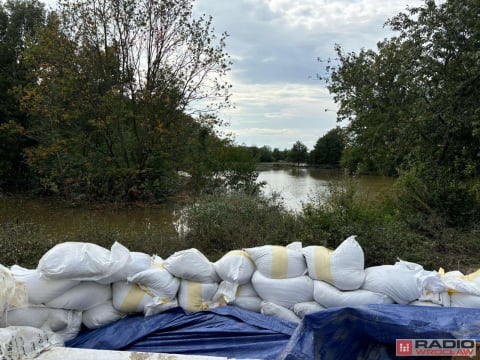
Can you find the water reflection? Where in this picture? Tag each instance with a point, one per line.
(58, 218)
(300, 185)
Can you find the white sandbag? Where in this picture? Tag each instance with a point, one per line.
(25, 342)
(271, 309)
(342, 267)
(195, 296)
(251, 303)
(65, 323)
(284, 292)
(129, 297)
(464, 300)
(456, 281)
(158, 282)
(442, 299)
(83, 261)
(157, 306)
(247, 298)
(40, 289)
(428, 281)
(424, 303)
(278, 262)
(82, 297)
(307, 307)
(12, 292)
(226, 292)
(329, 296)
(397, 282)
(191, 265)
(138, 262)
(100, 315)
(235, 266)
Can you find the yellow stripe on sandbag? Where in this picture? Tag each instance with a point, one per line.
(241, 253)
(194, 295)
(157, 265)
(279, 262)
(133, 299)
(323, 270)
(473, 276)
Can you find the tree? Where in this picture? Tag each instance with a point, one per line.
(412, 106)
(298, 153)
(329, 148)
(19, 21)
(118, 84)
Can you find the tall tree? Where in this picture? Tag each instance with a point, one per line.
(115, 82)
(298, 153)
(329, 148)
(19, 22)
(413, 104)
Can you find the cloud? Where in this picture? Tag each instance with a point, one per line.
(275, 45)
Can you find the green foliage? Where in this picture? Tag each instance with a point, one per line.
(329, 148)
(19, 21)
(221, 222)
(114, 110)
(412, 108)
(416, 94)
(298, 153)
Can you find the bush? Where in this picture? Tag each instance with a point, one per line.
(218, 223)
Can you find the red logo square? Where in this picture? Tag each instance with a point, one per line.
(404, 347)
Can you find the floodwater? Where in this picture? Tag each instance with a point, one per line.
(296, 186)
(300, 185)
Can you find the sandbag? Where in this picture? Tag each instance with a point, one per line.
(157, 282)
(284, 292)
(84, 261)
(82, 297)
(272, 309)
(25, 342)
(424, 303)
(158, 305)
(441, 299)
(329, 296)
(307, 307)
(396, 282)
(100, 315)
(236, 266)
(40, 289)
(191, 265)
(342, 267)
(138, 262)
(278, 262)
(129, 297)
(247, 298)
(464, 300)
(65, 323)
(12, 292)
(195, 296)
(456, 281)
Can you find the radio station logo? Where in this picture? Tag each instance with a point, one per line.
(435, 347)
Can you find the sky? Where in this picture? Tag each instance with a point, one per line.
(274, 46)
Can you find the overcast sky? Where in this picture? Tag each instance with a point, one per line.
(274, 46)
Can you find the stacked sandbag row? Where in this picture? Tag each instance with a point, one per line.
(77, 283)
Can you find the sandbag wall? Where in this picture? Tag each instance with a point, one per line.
(83, 283)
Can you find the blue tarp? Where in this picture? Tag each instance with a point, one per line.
(225, 331)
(364, 332)
(370, 332)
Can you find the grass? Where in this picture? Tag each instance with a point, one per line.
(220, 222)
